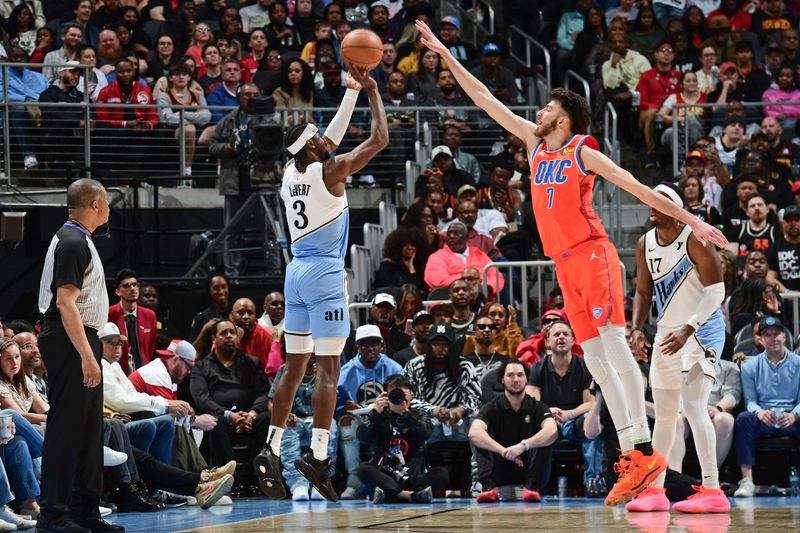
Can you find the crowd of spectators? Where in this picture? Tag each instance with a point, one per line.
(455, 361)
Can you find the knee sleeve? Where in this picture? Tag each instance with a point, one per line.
(594, 357)
(298, 343)
(617, 352)
(329, 346)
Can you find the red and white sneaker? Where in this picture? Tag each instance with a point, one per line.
(650, 499)
(704, 501)
(489, 496)
(531, 496)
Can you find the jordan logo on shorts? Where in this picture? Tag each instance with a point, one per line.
(335, 315)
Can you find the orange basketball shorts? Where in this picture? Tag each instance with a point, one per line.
(590, 278)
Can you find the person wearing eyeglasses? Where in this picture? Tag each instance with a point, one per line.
(31, 360)
(485, 356)
(654, 86)
(140, 323)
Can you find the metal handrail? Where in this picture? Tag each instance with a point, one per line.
(530, 41)
(676, 154)
(609, 193)
(580, 79)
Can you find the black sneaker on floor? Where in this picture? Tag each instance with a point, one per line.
(168, 499)
(316, 472)
(268, 469)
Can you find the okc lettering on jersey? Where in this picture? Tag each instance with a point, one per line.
(552, 172)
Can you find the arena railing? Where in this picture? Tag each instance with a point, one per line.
(359, 311)
(539, 90)
(678, 151)
(544, 273)
(472, 19)
(606, 196)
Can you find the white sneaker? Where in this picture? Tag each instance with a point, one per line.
(300, 493)
(7, 526)
(30, 162)
(351, 493)
(113, 457)
(316, 496)
(225, 500)
(746, 488)
(104, 511)
(7, 515)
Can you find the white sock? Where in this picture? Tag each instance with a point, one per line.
(319, 443)
(188, 170)
(695, 392)
(274, 439)
(620, 359)
(611, 388)
(667, 403)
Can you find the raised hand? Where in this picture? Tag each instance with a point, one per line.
(429, 39)
(352, 83)
(361, 74)
(706, 233)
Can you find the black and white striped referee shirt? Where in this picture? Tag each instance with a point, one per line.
(72, 259)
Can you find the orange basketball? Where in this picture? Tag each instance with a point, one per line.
(362, 47)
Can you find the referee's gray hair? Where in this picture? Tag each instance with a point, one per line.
(82, 192)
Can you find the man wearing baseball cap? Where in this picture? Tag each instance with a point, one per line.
(497, 78)
(445, 384)
(771, 387)
(783, 257)
(360, 382)
(382, 315)
(450, 35)
(420, 325)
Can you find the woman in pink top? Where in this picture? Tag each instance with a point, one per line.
(787, 91)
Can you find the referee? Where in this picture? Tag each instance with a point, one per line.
(74, 302)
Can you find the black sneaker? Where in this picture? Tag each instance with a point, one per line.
(316, 472)
(168, 499)
(422, 496)
(268, 468)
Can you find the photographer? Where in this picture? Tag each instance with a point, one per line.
(234, 176)
(397, 437)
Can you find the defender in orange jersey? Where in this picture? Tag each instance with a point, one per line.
(564, 163)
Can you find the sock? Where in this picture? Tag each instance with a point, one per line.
(625, 439)
(641, 432)
(274, 439)
(695, 392)
(319, 443)
(188, 170)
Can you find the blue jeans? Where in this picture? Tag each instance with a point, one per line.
(18, 456)
(154, 436)
(20, 124)
(749, 428)
(592, 448)
(664, 13)
(5, 489)
(291, 443)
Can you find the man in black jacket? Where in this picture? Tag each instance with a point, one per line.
(63, 126)
(397, 437)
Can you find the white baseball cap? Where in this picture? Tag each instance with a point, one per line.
(439, 150)
(383, 297)
(110, 330)
(369, 331)
(182, 349)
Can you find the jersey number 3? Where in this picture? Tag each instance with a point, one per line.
(302, 219)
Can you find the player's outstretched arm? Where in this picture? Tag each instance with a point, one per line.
(338, 168)
(601, 165)
(478, 92)
(341, 120)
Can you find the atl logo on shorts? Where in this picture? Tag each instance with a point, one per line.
(335, 315)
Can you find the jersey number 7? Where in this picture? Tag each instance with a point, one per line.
(551, 192)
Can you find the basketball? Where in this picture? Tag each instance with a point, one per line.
(362, 47)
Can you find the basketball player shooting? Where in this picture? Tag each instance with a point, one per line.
(316, 320)
(687, 280)
(564, 163)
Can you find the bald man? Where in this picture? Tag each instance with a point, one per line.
(274, 311)
(31, 360)
(256, 340)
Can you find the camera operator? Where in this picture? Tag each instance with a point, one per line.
(397, 435)
(234, 175)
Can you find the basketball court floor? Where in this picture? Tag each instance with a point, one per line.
(571, 515)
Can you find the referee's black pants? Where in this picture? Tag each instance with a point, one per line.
(72, 456)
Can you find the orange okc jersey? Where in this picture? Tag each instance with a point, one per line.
(561, 194)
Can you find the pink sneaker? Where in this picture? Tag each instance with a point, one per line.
(650, 499)
(531, 496)
(704, 501)
(489, 496)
